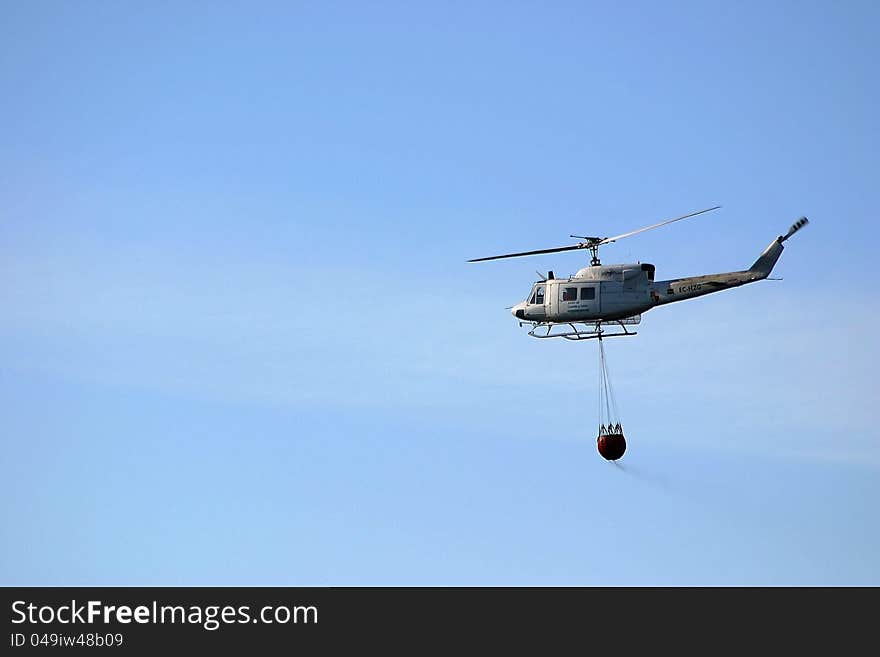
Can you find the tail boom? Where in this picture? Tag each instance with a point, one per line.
(680, 289)
(696, 286)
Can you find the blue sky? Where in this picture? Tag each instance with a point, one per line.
(240, 343)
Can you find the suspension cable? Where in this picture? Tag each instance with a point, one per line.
(607, 398)
(601, 395)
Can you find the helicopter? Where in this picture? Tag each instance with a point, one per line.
(577, 307)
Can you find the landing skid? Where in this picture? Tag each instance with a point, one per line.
(581, 330)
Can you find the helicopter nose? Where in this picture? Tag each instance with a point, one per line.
(519, 311)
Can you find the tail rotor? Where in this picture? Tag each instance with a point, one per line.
(795, 227)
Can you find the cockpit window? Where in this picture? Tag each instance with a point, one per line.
(568, 294)
(538, 296)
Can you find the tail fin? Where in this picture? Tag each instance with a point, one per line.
(764, 264)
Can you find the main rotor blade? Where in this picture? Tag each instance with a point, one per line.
(528, 253)
(608, 240)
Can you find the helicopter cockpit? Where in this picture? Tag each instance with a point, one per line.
(537, 296)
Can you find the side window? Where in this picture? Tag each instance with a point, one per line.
(588, 293)
(568, 294)
(538, 296)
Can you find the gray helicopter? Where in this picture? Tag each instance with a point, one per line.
(576, 308)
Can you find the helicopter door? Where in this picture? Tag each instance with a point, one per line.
(565, 301)
(588, 298)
